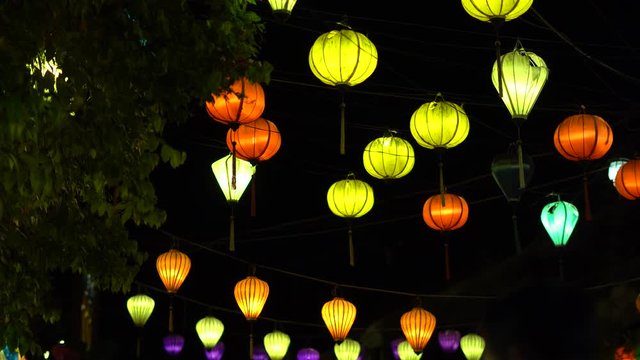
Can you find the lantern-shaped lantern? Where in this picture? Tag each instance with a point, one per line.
(472, 346)
(233, 176)
(343, 58)
(260, 353)
(173, 267)
(281, 9)
(140, 308)
(417, 326)
(276, 343)
(405, 352)
(614, 166)
(338, 315)
(173, 344)
(350, 198)
(209, 331)
(308, 354)
(348, 349)
(496, 10)
(242, 103)
(216, 352)
(624, 353)
(559, 219)
(388, 157)
(449, 340)
(394, 347)
(251, 294)
(628, 180)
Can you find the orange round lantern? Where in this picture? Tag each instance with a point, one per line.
(256, 141)
(417, 326)
(338, 315)
(628, 180)
(251, 294)
(445, 212)
(243, 103)
(583, 137)
(173, 267)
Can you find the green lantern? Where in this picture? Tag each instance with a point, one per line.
(472, 346)
(209, 331)
(282, 8)
(140, 308)
(388, 157)
(559, 219)
(349, 349)
(405, 352)
(276, 344)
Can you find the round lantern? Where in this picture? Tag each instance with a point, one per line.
(496, 10)
(173, 344)
(614, 166)
(209, 331)
(417, 326)
(388, 157)
(559, 219)
(439, 124)
(242, 103)
(348, 349)
(405, 352)
(628, 180)
(256, 141)
(216, 352)
(472, 346)
(173, 267)
(338, 315)
(276, 344)
(449, 340)
(308, 354)
(140, 308)
(445, 212)
(583, 137)
(251, 294)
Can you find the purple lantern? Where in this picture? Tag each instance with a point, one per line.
(449, 340)
(308, 354)
(259, 353)
(173, 344)
(215, 353)
(394, 347)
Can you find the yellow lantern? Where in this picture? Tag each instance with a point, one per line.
(417, 326)
(349, 349)
(405, 352)
(276, 344)
(282, 8)
(343, 58)
(209, 331)
(350, 198)
(472, 346)
(251, 294)
(388, 157)
(140, 308)
(496, 10)
(173, 267)
(338, 315)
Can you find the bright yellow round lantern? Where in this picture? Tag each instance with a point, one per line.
(405, 352)
(472, 346)
(173, 267)
(496, 10)
(349, 349)
(251, 294)
(276, 343)
(439, 124)
(209, 330)
(140, 308)
(388, 157)
(338, 315)
(350, 198)
(417, 326)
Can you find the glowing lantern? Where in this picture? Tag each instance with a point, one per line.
(623, 353)
(449, 340)
(343, 58)
(242, 103)
(338, 315)
(251, 294)
(628, 180)
(260, 353)
(233, 176)
(209, 331)
(388, 157)
(216, 352)
(173, 267)
(614, 166)
(276, 344)
(140, 308)
(173, 344)
(281, 9)
(350, 198)
(394, 347)
(405, 352)
(308, 354)
(417, 326)
(559, 219)
(349, 349)
(496, 10)
(472, 346)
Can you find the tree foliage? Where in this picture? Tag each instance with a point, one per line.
(78, 144)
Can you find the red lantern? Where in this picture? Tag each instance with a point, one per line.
(628, 180)
(243, 103)
(622, 353)
(256, 141)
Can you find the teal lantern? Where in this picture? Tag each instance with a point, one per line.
(559, 219)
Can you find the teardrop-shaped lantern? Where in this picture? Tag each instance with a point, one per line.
(276, 343)
(472, 346)
(405, 352)
(439, 124)
(173, 344)
(614, 166)
(417, 326)
(216, 352)
(251, 295)
(628, 180)
(140, 308)
(209, 331)
(256, 141)
(449, 340)
(348, 349)
(505, 171)
(559, 219)
(173, 267)
(388, 157)
(281, 9)
(496, 10)
(242, 103)
(338, 315)
(583, 137)
(308, 354)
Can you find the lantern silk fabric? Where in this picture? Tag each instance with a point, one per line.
(209, 330)
(439, 124)
(338, 315)
(140, 308)
(405, 352)
(628, 180)
(450, 214)
(251, 295)
(259, 140)
(583, 137)
(559, 218)
(350, 198)
(417, 326)
(276, 343)
(173, 267)
(349, 349)
(242, 103)
(492, 10)
(388, 157)
(472, 346)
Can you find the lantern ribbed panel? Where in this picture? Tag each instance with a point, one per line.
(251, 294)
(524, 74)
(388, 157)
(490, 10)
(628, 180)
(472, 346)
(343, 58)
(282, 5)
(439, 124)
(173, 268)
(173, 344)
(276, 344)
(559, 218)
(216, 352)
(259, 140)
(140, 308)
(338, 315)
(243, 103)
(449, 340)
(417, 326)
(583, 137)
(223, 172)
(350, 198)
(308, 354)
(209, 331)
(349, 349)
(450, 216)
(405, 352)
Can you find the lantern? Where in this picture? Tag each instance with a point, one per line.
(281, 9)
(405, 352)
(233, 176)
(173, 344)
(472, 346)
(260, 354)
(276, 344)
(628, 180)
(343, 58)
(449, 340)
(242, 103)
(348, 349)
(394, 347)
(559, 219)
(338, 315)
(140, 308)
(496, 10)
(623, 353)
(209, 331)
(173, 267)
(388, 157)
(350, 198)
(216, 352)
(614, 166)
(251, 294)
(308, 354)
(417, 326)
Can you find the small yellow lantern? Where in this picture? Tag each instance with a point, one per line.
(405, 352)
(349, 349)
(496, 10)
(388, 157)
(276, 343)
(417, 326)
(472, 346)
(209, 331)
(140, 308)
(338, 315)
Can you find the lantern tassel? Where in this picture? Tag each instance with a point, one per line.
(171, 314)
(342, 124)
(250, 340)
(352, 261)
(446, 259)
(233, 166)
(521, 178)
(232, 230)
(441, 176)
(587, 202)
(253, 196)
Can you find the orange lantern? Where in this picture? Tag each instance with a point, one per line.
(173, 267)
(628, 180)
(622, 353)
(251, 294)
(242, 103)
(338, 315)
(417, 326)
